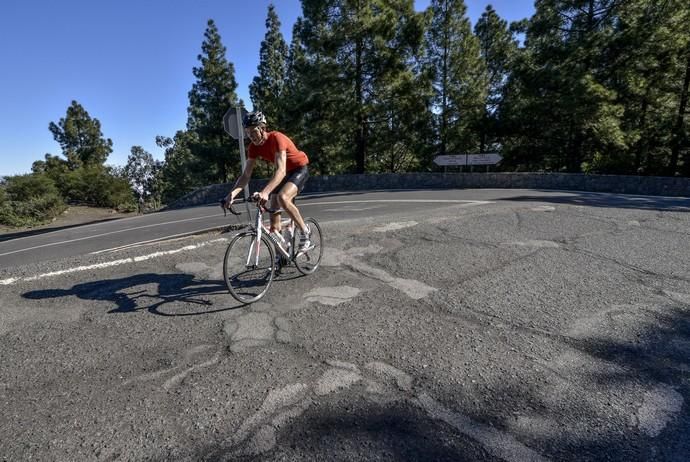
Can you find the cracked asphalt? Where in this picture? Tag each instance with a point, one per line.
(534, 327)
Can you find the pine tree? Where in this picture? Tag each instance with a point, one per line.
(268, 88)
(294, 88)
(563, 114)
(81, 139)
(182, 171)
(650, 57)
(459, 76)
(360, 51)
(211, 96)
(313, 104)
(498, 48)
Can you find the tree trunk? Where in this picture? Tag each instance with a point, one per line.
(444, 101)
(642, 143)
(678, 127)
(360, 136)
(575, 163)
(483, 130)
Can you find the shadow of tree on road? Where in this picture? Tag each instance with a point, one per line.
(618, 396)
(661, 204)
(658, 361)
(154, 292)
(360, 430)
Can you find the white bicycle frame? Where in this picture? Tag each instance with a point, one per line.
(261, 229)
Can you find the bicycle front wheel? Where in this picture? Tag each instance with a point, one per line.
(308, 261)
(249, 267)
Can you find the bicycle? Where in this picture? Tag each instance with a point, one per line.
(250, 263)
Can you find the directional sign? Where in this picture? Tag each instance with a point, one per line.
(231, 124)
(484, 159)
(468, 159)
(451, 159)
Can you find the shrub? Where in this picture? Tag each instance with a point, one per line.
(95, 186)
(29, 200)
(33, 211)
(30, 186)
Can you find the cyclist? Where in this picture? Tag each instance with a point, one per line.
(288, 179)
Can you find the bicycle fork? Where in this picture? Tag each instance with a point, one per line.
(256, 247)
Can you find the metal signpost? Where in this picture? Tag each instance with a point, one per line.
(232, 123)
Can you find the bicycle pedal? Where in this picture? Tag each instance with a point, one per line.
(304, 252)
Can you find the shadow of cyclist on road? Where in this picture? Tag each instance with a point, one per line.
(147, 291)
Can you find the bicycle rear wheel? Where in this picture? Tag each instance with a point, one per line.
(308, 262)
(248, 268)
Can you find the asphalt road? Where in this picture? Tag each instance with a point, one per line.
(500, 325)
(19, 249)
(44, 245)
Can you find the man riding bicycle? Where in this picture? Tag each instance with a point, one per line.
(288, 180)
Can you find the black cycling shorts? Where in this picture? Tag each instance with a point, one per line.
(297, 176)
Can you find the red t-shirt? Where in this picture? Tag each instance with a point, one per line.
(276, 142)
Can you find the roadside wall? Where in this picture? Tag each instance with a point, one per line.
(642, 185)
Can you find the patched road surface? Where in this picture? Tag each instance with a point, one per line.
(527, 327)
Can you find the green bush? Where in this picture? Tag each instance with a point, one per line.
(612, 164)
(29, 200)
(31, 212)
(30, 186)
(95, 186)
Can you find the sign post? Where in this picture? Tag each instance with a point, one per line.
(232, 123)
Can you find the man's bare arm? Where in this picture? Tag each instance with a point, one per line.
(242, 181)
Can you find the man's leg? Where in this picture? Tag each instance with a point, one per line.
(275, 217)
(285, 197)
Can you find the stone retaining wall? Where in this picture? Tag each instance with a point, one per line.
(642, 185)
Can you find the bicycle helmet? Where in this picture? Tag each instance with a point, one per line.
(252, 119)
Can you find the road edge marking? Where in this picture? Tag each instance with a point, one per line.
(10, 281)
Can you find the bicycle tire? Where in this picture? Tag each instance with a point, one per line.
(247, 282)
(309, 261)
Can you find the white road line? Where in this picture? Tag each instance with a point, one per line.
(416, 201)
(52, 244)
(102, 222)
(10, 281)
(172, 237)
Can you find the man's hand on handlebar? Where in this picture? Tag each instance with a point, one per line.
(260, 197)
(226, 204)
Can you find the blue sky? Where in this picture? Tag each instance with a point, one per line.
(129, 63)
